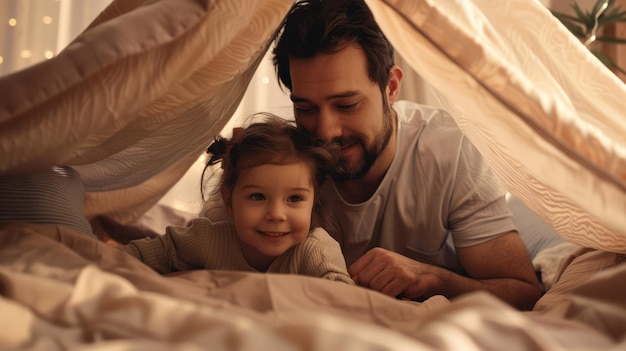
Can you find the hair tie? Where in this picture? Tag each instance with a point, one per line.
(221, 147)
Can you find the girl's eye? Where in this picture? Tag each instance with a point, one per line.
(257, 197)
(295, 198)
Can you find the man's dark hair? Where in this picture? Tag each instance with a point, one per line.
(328, 26)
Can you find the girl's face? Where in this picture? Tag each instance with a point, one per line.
(271, 207)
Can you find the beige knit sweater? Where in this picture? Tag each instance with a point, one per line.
(215, 245)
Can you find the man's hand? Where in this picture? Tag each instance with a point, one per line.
(500, 266)
(393, 274)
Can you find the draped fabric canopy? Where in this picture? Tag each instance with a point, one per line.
(134, 100)
(547, 115)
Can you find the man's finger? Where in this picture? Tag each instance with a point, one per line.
(357, 266)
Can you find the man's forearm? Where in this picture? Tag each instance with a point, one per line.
(520, 294)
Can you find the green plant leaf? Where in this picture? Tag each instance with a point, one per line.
(571, 23)
(585, 18)
(613, 16)
(581, 25)
(564, 16)
(607, 62)
(598, 6)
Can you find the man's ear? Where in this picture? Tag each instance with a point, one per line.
(228, 200)
(395, 81)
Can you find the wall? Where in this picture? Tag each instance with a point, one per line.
(617, 52)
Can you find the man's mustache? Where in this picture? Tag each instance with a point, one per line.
(335, 141)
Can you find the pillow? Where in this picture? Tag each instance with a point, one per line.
(536, 233)
(54, 196)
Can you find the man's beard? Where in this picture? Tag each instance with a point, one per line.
(371, 154)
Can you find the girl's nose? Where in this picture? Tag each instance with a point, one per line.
(276, 212)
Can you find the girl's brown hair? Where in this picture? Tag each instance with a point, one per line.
(272, 141)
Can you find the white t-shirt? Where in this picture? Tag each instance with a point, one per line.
(437, 194)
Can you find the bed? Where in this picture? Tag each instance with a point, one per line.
(132, 102)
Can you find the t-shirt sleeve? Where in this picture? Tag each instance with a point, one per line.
(478, 208)
(321, 256)
(180, 248)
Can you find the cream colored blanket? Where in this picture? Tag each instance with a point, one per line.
(64, 290)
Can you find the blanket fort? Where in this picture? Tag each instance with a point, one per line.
(133, 100)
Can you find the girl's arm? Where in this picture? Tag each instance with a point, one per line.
(322, 257)
(180, 248)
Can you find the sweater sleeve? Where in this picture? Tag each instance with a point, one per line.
(321, 256)
(180, 248)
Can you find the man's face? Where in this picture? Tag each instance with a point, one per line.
(335, 99)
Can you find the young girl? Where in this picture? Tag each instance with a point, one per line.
(269, 184)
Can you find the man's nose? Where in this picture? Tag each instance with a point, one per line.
(328, 125)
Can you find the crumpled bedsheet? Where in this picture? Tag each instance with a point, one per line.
(63, 290)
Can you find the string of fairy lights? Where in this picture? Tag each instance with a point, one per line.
(26, 53)
(32, 31)
(28, 32)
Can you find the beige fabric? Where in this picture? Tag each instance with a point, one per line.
(64, 290)
(135, 99)
(590, 287)
(547, 115)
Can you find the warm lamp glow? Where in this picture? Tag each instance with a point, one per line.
(1, 60)
(49, 54)
(25, 54)
(12, 22)
(47, 19)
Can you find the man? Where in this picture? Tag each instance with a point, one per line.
(419, 211)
